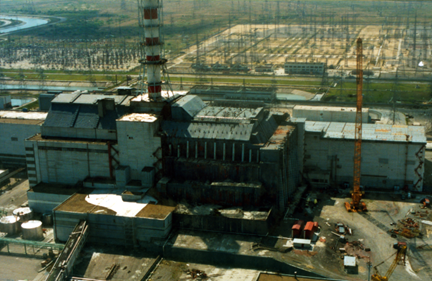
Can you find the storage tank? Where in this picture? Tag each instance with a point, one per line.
(10, 225)
(32, 230)
(47, 219)
(25, 214)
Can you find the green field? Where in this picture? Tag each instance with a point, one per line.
(382, 92)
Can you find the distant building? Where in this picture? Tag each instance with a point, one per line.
(264, 68)
(304, 67)
(211, 93)
(5, 102)
(15, 127)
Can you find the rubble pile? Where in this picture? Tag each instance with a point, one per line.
(356, 249)
(408, 228)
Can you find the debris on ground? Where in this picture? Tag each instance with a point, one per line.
(407, 227)
(356, 249)
(343, 229)
(196, 273)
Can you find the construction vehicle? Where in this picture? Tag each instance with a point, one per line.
(356, 205)
(400, 258)
(426, 203)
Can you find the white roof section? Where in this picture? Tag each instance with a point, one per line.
(349, 261)
(302, 241)
(139, 117)
(23, 115)
(116, 203)
(329, 108)
(370, 132)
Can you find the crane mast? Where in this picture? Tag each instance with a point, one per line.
(356, 194)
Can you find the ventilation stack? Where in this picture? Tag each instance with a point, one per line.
(150, 19)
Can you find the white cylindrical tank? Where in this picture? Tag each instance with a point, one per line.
(10, 225)
(25, 214)
(32, 230)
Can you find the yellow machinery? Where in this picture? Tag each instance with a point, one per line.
(356, 194)
(400, 258)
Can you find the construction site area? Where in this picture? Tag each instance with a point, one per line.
(215, 140)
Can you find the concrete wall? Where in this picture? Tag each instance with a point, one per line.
(13, 135)
(111, 229)
(318, 113)
(65, 162)
(205, 193)
(138, 142)
(45, 202)
(79, 133)
(5, 102)
(384, 164)
(222, 224)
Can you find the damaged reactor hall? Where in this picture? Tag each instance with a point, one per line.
(140, 152)
(145, 157)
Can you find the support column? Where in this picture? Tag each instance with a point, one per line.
(205, 150)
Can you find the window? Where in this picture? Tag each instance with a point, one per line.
(383, 160)
(14, 139)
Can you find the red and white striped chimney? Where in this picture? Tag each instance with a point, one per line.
(153, 44)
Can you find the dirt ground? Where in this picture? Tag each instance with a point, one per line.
(371, 231)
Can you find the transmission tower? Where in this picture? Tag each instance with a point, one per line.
(30, 6)
(414, 41)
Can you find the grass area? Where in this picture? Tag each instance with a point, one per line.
(68, 72)
(381, 92)
(247, 81)
(54, 77)
(32, 105)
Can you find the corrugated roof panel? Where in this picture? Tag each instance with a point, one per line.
(371, 132)
(65, 98)
(239, 132)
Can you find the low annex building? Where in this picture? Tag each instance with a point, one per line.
(392, 155)
(15, 128)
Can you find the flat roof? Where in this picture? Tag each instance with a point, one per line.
(211, 113)
(349, 261)
(329, 108)
(20, 116)
(113, 204)
(166, 95)
(38, 137)
(370, 132)
(78, 98)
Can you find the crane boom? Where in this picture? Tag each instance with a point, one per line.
(356, 205)
(400, 257)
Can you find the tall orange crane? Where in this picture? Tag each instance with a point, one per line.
(356, 194)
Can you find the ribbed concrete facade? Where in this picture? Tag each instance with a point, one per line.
(66, 162)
